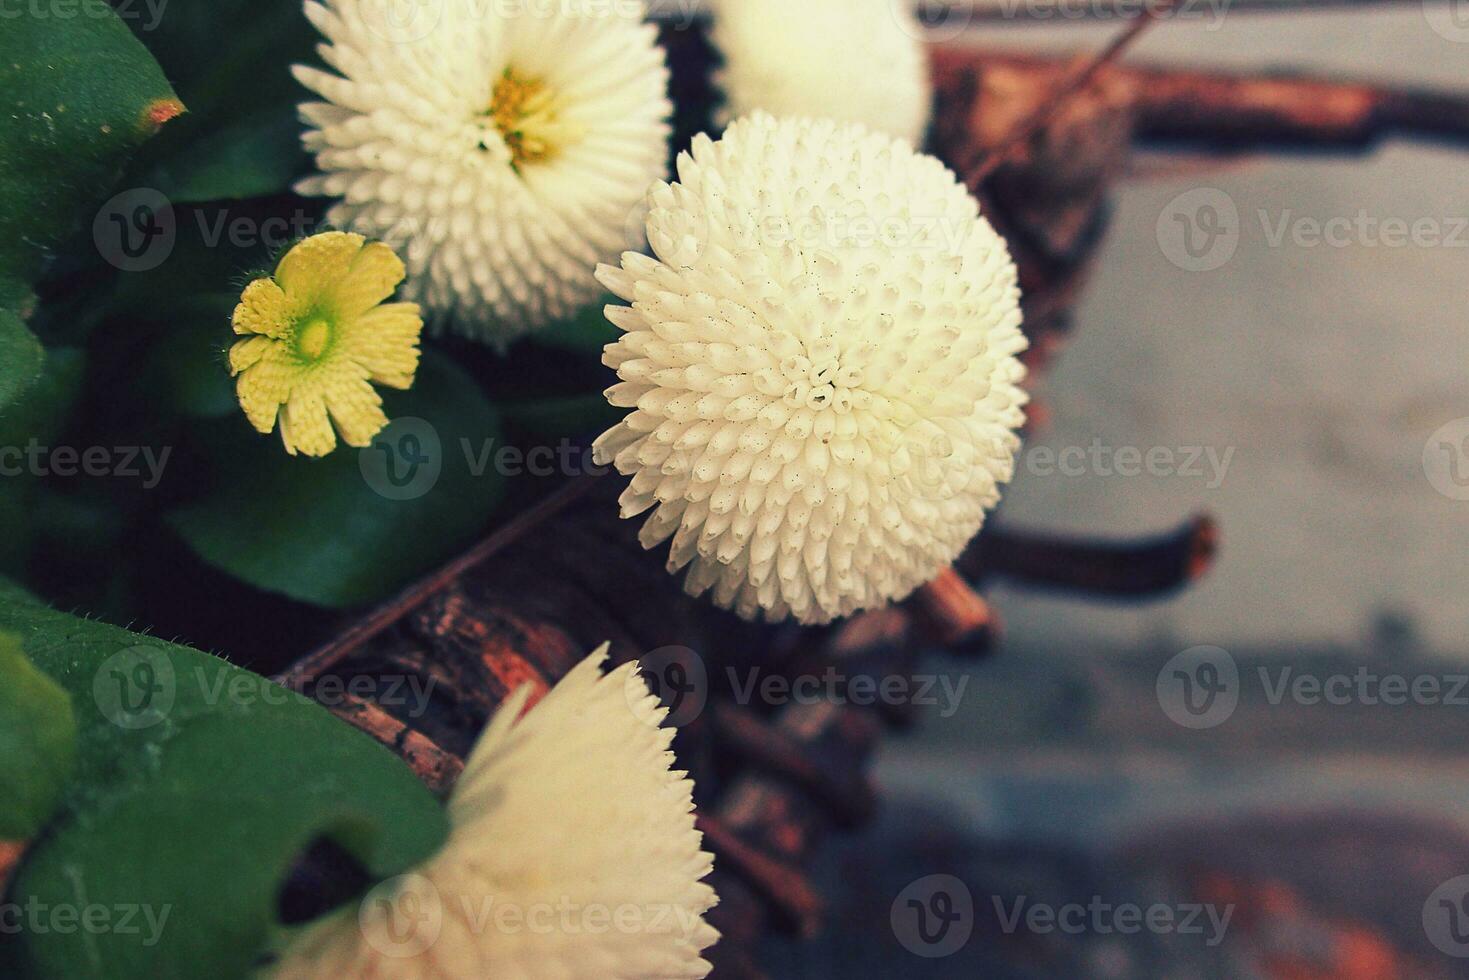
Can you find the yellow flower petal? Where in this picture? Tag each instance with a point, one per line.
(305, 427)
(264, 309)
(385, 342)
(263, 388)
(374, 276)
(314, 268)
(249, 352)
(357, 411)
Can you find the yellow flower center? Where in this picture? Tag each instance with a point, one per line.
(526, 113)
(313, 339)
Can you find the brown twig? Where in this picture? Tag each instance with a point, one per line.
(943, 13)
(1126, 569)
(1236, 112)
(393, 611)
(1076, 82)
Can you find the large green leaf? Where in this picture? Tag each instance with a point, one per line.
(77, 95)
(197, 788)
(587, 332)
(40, 415)
(21, 358)
(37, 744)
(253, 157)
(231, 62)
(354, 527)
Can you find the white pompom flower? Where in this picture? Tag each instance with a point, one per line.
(821, 363)
(849, 60)
(572, 853)
(498, 147)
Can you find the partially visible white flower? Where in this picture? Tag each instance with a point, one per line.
(572, 854)
(849, 60)
(499, 147)
(821, 363)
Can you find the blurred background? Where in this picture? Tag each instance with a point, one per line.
(1315, 377)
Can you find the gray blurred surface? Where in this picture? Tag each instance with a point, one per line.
(1325, 369)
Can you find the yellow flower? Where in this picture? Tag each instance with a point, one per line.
(317, 335)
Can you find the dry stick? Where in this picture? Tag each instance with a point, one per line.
(390, 612)
(1080, 78)
(1052, 14)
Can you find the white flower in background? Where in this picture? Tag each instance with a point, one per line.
(499, 147)
(572, 853)
(850, 60)
(822, 367)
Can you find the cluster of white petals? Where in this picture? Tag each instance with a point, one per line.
(849, 60)
(498, 147)
(821, 363)
(572, 854)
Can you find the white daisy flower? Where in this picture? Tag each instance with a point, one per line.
(849, 60)
(572, 853)
(821, 363)
(499, 148)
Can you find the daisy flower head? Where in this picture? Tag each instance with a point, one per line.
(498, 144)
(850, 60)
(825, 392)
(316, 335)
(572, 853)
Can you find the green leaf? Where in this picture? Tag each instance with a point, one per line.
(585, 333)
(254, 157)
(21, 358)
(231, 61)
(561, 418)
(40, 414)
(358, 525)
(198, 786)
(77, 95)
(37, 744)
